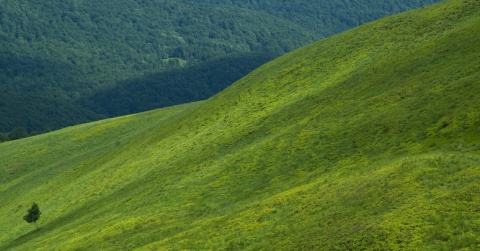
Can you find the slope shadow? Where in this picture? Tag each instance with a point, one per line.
(40, 113)
(175, 87)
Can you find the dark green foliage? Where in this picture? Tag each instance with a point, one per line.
(4, 137)
(72, 49)
(326, 17)
(169, 88)
(18, 133)
(33, 215)
(38, 113)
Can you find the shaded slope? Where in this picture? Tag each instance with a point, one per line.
(33, 111)
(169, 88)
(366, 140)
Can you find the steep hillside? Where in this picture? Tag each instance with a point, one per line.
(77, 51)
(368, 140)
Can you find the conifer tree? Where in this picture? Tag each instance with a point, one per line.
(33, 215)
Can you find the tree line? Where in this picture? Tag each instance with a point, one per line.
(17, 133)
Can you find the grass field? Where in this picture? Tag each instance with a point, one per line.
(368, 140)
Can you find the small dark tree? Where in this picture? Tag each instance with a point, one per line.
(33, 215)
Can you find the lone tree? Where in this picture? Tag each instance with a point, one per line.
(33, 215)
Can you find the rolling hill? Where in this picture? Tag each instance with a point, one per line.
(367, 140)
(83, 53)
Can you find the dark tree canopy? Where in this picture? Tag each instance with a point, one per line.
(33, 214)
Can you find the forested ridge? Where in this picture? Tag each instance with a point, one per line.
(90, 56)
(325, 17)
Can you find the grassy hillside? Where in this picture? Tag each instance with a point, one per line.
(368, 140)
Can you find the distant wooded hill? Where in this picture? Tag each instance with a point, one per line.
(104, 58)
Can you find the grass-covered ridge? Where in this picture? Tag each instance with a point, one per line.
(366, 140)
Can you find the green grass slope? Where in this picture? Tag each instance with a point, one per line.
(368, 140)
